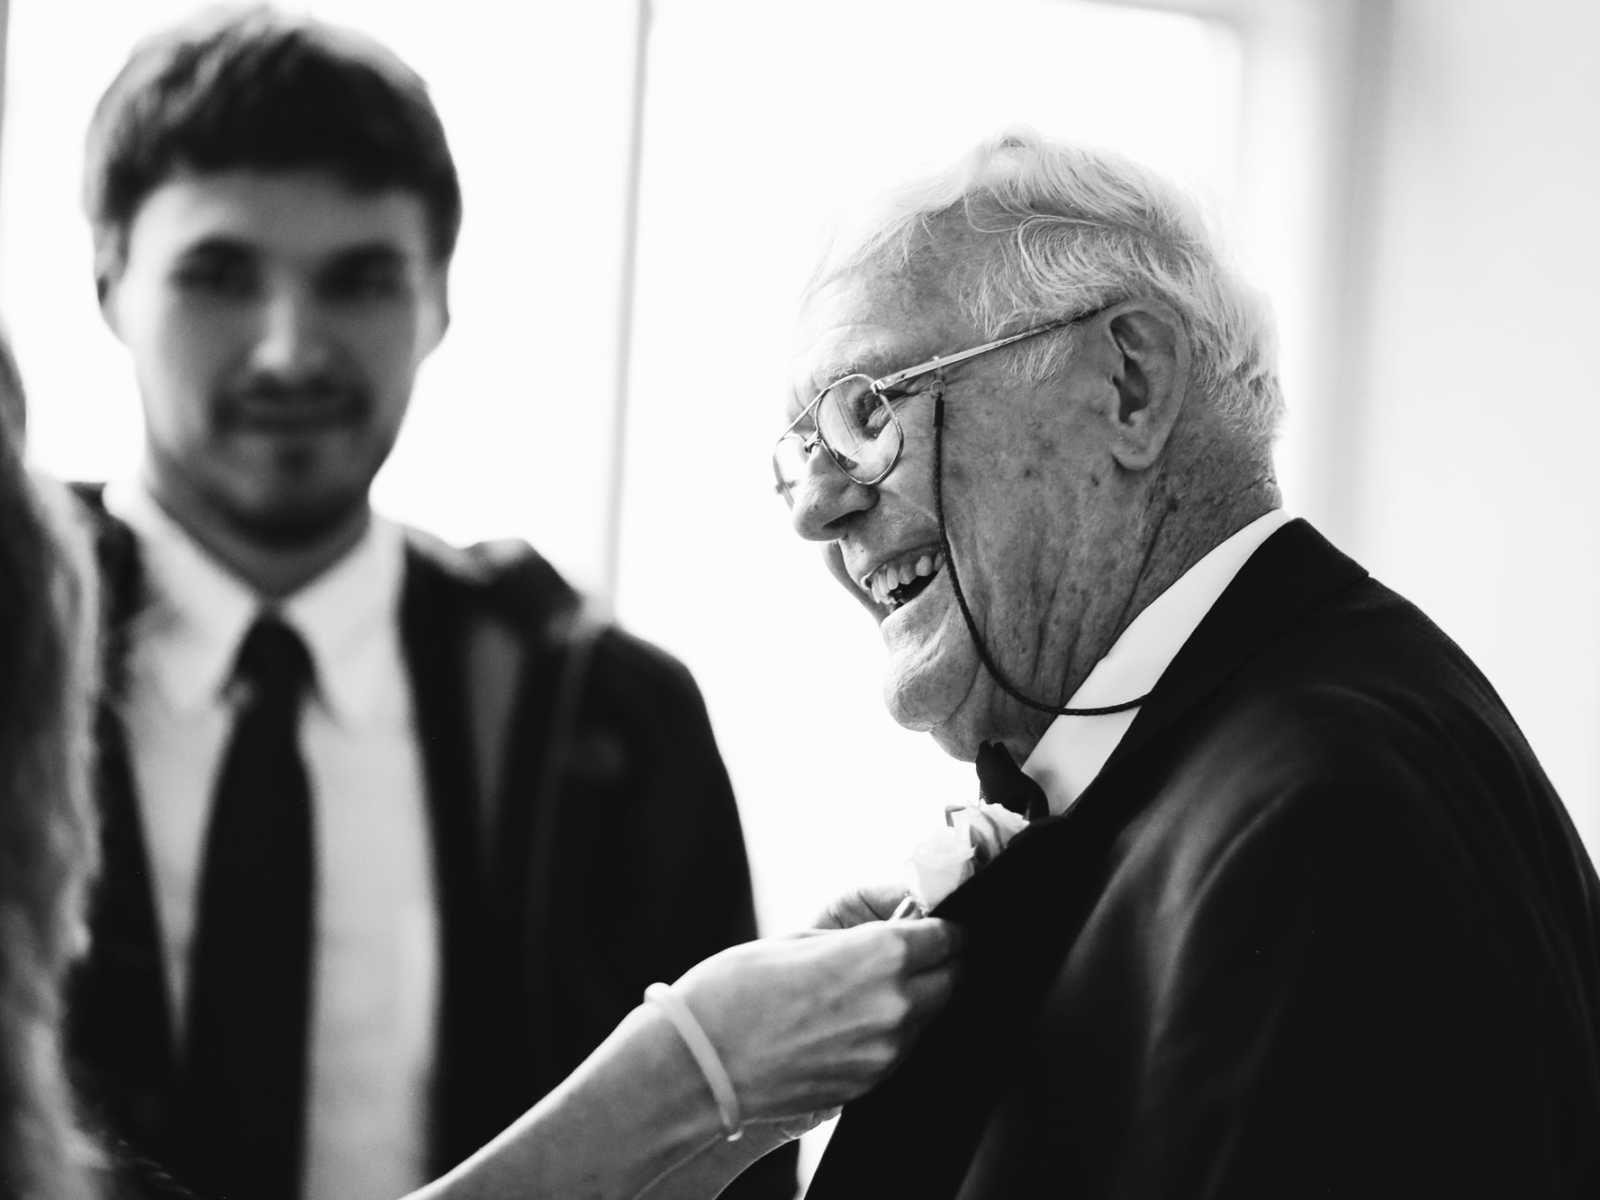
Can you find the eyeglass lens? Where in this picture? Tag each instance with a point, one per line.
(857, 426)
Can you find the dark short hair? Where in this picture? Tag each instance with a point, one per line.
(257, 89)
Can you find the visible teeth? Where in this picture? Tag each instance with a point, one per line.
(882, 582)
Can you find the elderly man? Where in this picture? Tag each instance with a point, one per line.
(1300, 914)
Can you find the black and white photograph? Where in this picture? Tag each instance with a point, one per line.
(929, 599)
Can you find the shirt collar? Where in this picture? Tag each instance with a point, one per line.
(196, 612)
(1077, 747)
(349, 618)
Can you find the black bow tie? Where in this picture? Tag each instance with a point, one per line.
(1001, 781)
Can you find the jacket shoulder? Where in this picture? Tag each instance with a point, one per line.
(644, 666)
(115, 551)
(507, 578)
(517, 583)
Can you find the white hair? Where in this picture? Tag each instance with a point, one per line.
(1070, 229)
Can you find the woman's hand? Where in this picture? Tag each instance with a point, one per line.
(806, 1023)
(801, 1024)
(875, 902)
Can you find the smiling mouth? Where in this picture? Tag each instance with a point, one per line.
(901, 580)
(290, 421)
(273, 403)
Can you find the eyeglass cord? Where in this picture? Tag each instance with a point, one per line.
(1010, 689)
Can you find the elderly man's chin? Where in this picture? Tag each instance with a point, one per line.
(931, 685)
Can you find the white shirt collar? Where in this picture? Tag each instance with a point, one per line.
(196, 613)
(349, 616)
(1073, 749)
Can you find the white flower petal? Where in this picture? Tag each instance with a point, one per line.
(988, 826)
(939, 863)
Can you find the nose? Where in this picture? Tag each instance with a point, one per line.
(292, 342)
(825, 499)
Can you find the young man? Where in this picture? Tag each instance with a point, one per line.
(394, 834)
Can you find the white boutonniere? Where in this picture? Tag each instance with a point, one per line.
(973, 836)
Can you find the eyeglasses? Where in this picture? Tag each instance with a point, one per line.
(855, 421)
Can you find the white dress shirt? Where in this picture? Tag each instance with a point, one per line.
(376, 957)
(1073, 749)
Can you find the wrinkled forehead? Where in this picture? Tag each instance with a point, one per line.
(872, 321)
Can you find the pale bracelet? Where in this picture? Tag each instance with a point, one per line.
(704, 1055)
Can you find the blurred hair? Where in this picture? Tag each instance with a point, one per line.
(1067, 229)
(253, 88)
(13, 408)
(47, 829)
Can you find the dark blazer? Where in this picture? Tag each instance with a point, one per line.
(585, 841)
(1320, 928)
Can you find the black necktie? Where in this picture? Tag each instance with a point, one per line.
(250, 963)
(1001, 781)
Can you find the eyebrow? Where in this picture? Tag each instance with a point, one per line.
(873, 364)
(375, 253)
(217, 246)
(369, 254)
(869, 363)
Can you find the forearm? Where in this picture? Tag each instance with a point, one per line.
(633, 1111)
(715, 1166)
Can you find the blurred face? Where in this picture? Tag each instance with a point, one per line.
(276, 321)
(1024, 467)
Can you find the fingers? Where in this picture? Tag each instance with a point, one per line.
(809, 1022)
(875, 902)
(882, 899)
(909, 906)
(797, 1126)
(929, 942)
(927, 993)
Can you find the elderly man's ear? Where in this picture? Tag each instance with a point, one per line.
(1144, 358)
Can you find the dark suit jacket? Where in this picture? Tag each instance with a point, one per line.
(1320, 928)
(584, 833)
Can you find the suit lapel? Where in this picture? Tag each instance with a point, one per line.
(120, 1023)
(915, 1133)
(919, 1128)
(484, 1049)
(434, 610)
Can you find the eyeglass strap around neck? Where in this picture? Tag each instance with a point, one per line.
(1010, 689)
